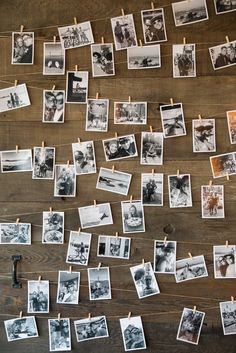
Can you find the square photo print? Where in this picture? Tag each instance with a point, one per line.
(59, 335)
(102, 58)
(53, 106)
(38, 297)
(224, 261)
(204, 139)
(124, 33)
(228, 319)
(184, 60)
(65, 180)
(14, 97)
(190, 268)
(148, 57)
(152, 189)
(144, 280)
(99, 283)
(231, 119)
(53, 59)
(154, 28)
(53, 227)
(77, 87)
(189, 11)
(120, 147)
(113, 181)
(180, 193)
(172, 118)
(132, 333)
(43, 163)
(97, 115)
(91, 328)
(95, 215)
(133, 216)
(20, 328)
(223, 55)
(22, 48)
(77, 35)
(212, 201)
(15, 233)
(78, 248)
(190, 326)
(130, 113)
(165, 256)
(68, 287)
(113, 246)
(151, 148)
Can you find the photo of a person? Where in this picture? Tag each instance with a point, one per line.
(53, 106)
(190, 326)
(180, 194)
(203, 131)
(164, 256)
(124, 32)
(144, 280)
(133, 216)
(153, 22)
(224, 261)
(120, 147)
(22, 48)
(132, 333)
(65, 180)
(223, 55)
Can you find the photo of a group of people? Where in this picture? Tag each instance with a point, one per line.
(133, 216)
(144, 280)
(78, 248)
(91, 328)
(22, 48)
(151, 148)
(53, 227)
(59, 335)
(76, 36)
(38, 296)
(153, 23)
(99, 283)
(190, 326)
(132, 333)
(20, 328)
(224, 261)
(130, 113)
(203, 131)
(53, 106)
(102, 58)
(54, 59)
(190, 268)
(180, 194)
(43, 163)
(124, 33)
(223, 55)
(84, 157)
(14, 97)
(184, 60)
(212, 200)
(189, 11)
(152, 189)
(97, 115)
(68, 287)
(120, 147)
(231, 119)
(113, 181)
(172, 117)
(148, 57)
(65, 180)
(223, 164)
(113, 246)
(15, 233)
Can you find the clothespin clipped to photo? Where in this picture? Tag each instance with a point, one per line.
(79, 231)
(15, 83)
(227, 176)
(199, 117)
(54, 39)
(17, 148)
(194, 309)
(76, 68)
(131, 198)
(143, 262)
(68, 163)
(79, 141)
(21, 28)
(39, 279)
(153, 171)
(177, 173)
(122, 12)
(102, 39)
(129, 99)
(210, 183)
(140, 43)
(17, 220)
(59, 316)
(190, 255)
(97, 95)
(129, 315)
(184, 41)
(152, 5)
(50, 210)
(165, 239)
(20, 314)
(151, 129)
(113, 169)
(70, 269)
(75, 20)
(232, 299)
(226, 243)
(43, 145)
(99, 265)
(117, 234)
(53, 88)
(227, 39)
(171, 101)
(89, 316)
(116, 135)
(94, 203)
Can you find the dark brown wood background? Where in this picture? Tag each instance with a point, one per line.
(211, 94)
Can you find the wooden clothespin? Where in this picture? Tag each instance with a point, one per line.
(53, 88)
(116, 135)
(129, 315)
(117, 234)
(76, 68)
(68, 163)
(129, 99)
(190, 255)
(102, 40)
(15, 83)
(171, 101)
(140, 43)
(152, 5)
(122, 12)
(184, 41)
(165, 239)
(54, 39)
(79, 231)
(97, 95)
(131, 198)
(99, 265)
(50, 210)
(194, 309)
(17, 220)
(232, 299)
(151, 129)
(39, 279)
(89, 316)
(20, 314)
(94, 203)
(70, 269)
(143, 262)
(227, 39)
(43, 145)
(17, 148)
(226, 243)
(199, 117)
(153, 171)
(227, 176)
(75, 20)
(59, 316)
(210, 183)
(177, 173)
(21, 28)
(113, 169)
(79, 141)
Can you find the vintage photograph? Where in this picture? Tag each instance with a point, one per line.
(223, 6)
(102, 58)
(43, 163)
(77, 35)
(77, 87)
(231, 119)
(154, 28)
(151, 148)
(16, 161)
(203, 131)
(53, 106)
(14, 97)
(190, 268)
(68, 287)
(148, 57)
(134, 113)
(23, 327)
(224, 261)
(15, 233)
(95, 215)
(113, 181)
(164, 256)
(144, 280)
(132, 216)
(116, 247)
(189, 11)
(212, 201)
(228, 318)
(38, 297)
(223, 55)
(99, 283)
(120, 147)
(78, 248)
(53, 227)
(53, 59)
(132, 333)
(65, 180)
(84, 157)
(172, 118)
(223, 165)
(180, 193)
(97, 115)
(152, 189)
(91, 328)
(59, 335)
(124, 33)
(22, 48)
(190, 326)
(184, 60)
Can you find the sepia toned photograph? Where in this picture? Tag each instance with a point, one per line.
(144, 280)
(68, 287)
(223, 6)
(223, 165)
(189, 11)
(22, 48)
(43, 163)
(130, 113)
(20, 328)
(16, 161)
(99, 283)
(231, 120)
(132, 216)
(53, 59)
(184, 60)
(84, 157)
(152, 189)
(38, 297)
(115, 247)
(14, 97)
(15, 233)
(97, 115)
(154, 28)
(228, 319)
(132, 333)
(172, 118)
(180, 193)
(124, 33)
(77, 87)
(65, 180)
(75, 36)
(151, 148)
(190, 268)
(165, 256)
(212, 201)
(148, 57)
(102, 58)
(91, 328)
(190, 326)
(59, 335)
(204, 139)
(53, 227)
(95, 215)
(53, 106)
(113, 181)
(78, 248)
(223, 55)
(224, 261)
(120, 147)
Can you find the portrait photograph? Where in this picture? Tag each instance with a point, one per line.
(97, 115)
(78, 248)
(113, 181)
(148, 57)
(172, 118)
(180, 193)
(38, 297)
(223, 55)
(53, 106)
(53, 59)
(14, 97)
(203, 131)
(15, 233)
(113, 246)
(223, 165)
(154, 28)
(65, 180)
(190, 326)
(189, 11)
(94, 216)
(20, 328)
(77, 87)
(223, 6)
(102, 58)
(132, 216)
(124, 33)
(132, 333)
(120, 148)
(22, 48)
(16, 161)
(68, 287)
(134, 113)
(212, 201)
(228, 319)
(84, 157)
(164, 256)
(152, 189)
(184, 60)
(75, 36)
(99, 283)
(43, 163)
(151, 148)
(91, 328)
(224, 261)
(190, 268)
(59, 335)
(144, 280)
(53, 227)
(231, 120)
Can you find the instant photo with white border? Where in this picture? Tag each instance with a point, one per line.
(26, 328)
(203, 135)
(224, 8)
(79, 248)
(97, 114)
(22, 54)
(172, 119)
(15, 233)
(62, 340)
(227, 313)
(133, 323)
(152, 189)
(68, 287)
(77, 87)
(184, 60)
(133, 220)
(65, 180)
(120, 35)
(165, 256)
(189, 327)
(231, 121)
(43, 163)
(84, 157)
(147, 57)
(99, 283)
(183, 12)
(102, 58)
(76, 35)
(91, 328)
(14, 97)
(53, 106)
(180, 192)
(151, 148)
(224, 261)
(223, 164)
(113, 181)
(190, 268)
(123, 147)
(113, 246)
(16, 161)
(53, 58)
(130, 113)
(212, 201)
(38, 297)
(144, 280)
(95, 215)
(153, 24)
(223, 55)
(53, 227)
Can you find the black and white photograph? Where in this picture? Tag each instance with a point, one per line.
(130, 113)
(68, 287)
(84, 157)
(102, 58)
(190, 326)
(53, 227)
(91, 328)
(180, 193)
(113, 181)
(228, 319)
(53, 106)
(77, 87)
(231, 120)
(15, 233)
(154, 28)
(113, 246)
(75, 36)
(223, 6)
(53, 59)
(144, 280)
(132, 216)
(65, 180)
(151, 148)
(78, 248)
(203, 131)
(190, 268)
(99, 283)
(189, 11)
(16, 161)
(22, 48)
(14, 97)
(165, 256)
(152, 189)
(120, 147)
(224, 261)
(95, 215)
(223, 165)
(43, 163)
(148, 57)
(132, 333)
(20, 328)
(212, 201)
(184, 60)
(223, 55)
(124, 32)
(172, 118)
(38, 297)
(97, 115)
(59, 335)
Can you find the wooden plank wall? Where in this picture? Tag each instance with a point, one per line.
(211, 94)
